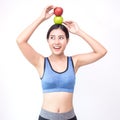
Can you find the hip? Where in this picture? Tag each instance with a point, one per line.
(48, 115)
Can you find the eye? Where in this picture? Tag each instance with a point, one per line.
(61, 37)
(52, 37)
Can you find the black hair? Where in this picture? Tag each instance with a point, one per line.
(56, 26)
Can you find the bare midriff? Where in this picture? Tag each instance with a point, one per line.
(58, 102)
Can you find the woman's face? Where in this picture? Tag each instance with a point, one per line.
(57, 41)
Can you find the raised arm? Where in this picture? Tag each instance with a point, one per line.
(22, 40)
(98, 50)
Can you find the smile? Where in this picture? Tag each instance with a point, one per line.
(56, 47)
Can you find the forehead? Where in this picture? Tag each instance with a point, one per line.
(57, 32)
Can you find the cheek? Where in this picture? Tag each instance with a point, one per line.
(64, 43)
(49, 42)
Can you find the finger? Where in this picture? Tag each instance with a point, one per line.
(51, 14)
(50, 7)
(68, 22)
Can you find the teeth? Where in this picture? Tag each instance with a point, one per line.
(56, 46)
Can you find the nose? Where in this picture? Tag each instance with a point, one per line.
(56, 41)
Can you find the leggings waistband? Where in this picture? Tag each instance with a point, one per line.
(57, 116)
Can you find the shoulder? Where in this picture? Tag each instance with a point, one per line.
(80, 60)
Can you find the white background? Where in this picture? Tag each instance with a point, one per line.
(97, 91)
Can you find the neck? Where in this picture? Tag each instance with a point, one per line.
(57, 57)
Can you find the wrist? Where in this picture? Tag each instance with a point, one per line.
(40, 19)
(80, 33)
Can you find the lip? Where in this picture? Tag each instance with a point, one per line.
(57, 48)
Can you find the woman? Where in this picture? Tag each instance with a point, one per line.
(57, 71)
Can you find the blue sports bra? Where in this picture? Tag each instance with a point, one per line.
(53, 81)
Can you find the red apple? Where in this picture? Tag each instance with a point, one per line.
(58, 19)
(58, 11)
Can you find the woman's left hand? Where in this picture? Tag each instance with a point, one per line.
(72, 27)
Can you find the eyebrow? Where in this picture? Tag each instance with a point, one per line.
(58, 35)
(52, 35)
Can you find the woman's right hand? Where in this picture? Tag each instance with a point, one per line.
(47, 12)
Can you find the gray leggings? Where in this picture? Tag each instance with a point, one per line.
(47, 115)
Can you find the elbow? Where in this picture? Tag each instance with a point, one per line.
(103, 53)
(19, 41)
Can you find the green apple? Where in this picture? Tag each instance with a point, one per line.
(58, 19)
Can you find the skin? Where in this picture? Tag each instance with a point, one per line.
(58, 101)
